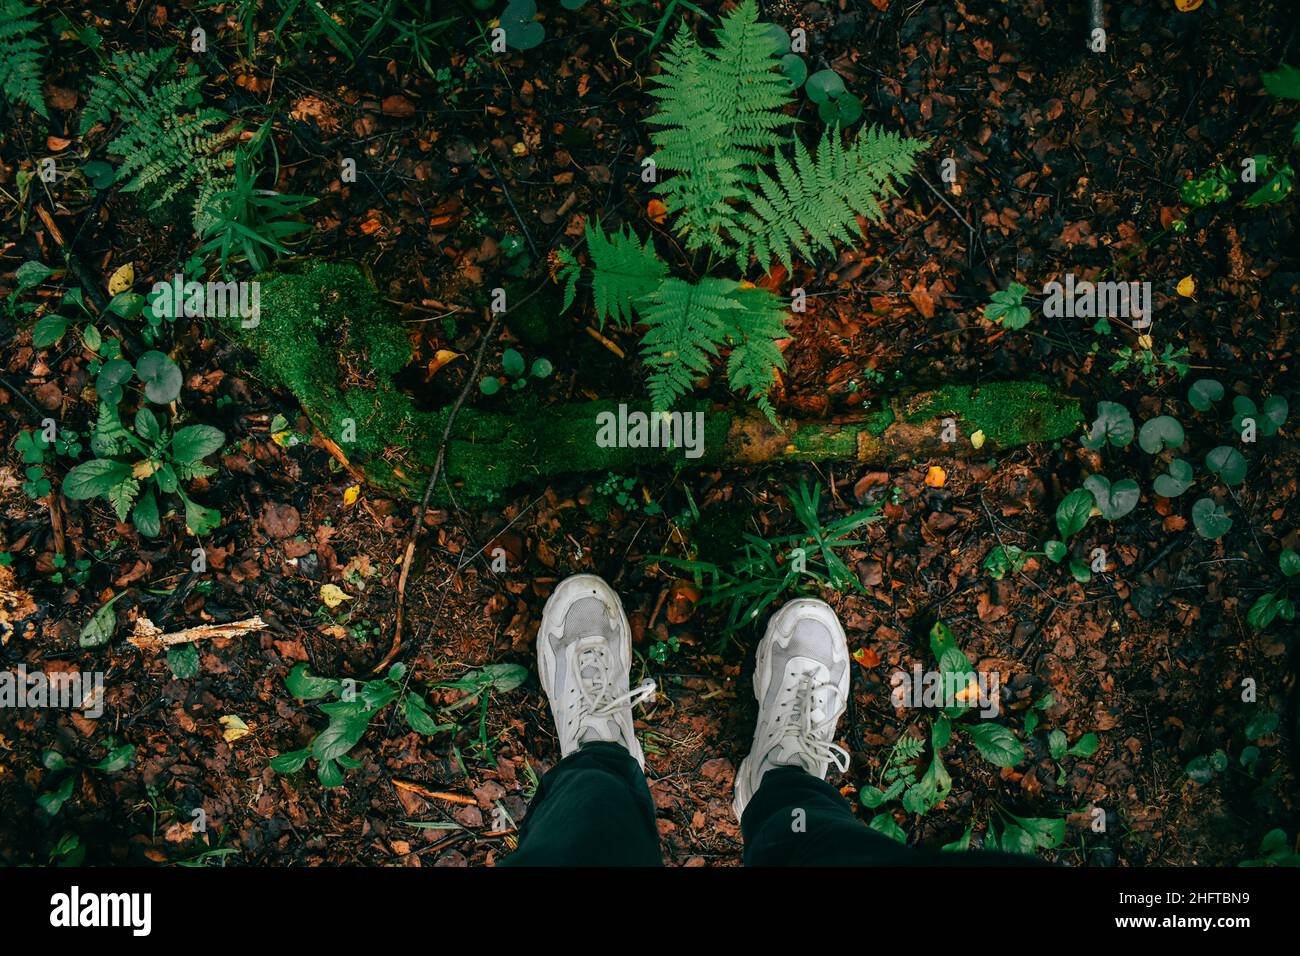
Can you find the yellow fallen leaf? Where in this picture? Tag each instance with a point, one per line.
(1144, 342)
(1186, 287)
(144, 469)
(977, 439)
(122, 279)
(333, 595)
(441, 357)
(935, 477)
(234, 728)
(1187, 6)
(351, 495)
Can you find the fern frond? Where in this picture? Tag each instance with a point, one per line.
(755, 328)
(720, 111)
(21, 55)
(623, 271)
(685, 326)
(169, 143)
(816, 200)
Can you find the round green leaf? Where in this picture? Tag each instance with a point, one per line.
(1204, 393)
(1160, 433)
(1176, 482)
(1055, 551)
(1274, 415)
(779, 38)
(1227, 464)
(1289, 562)
(489, 385)
(542, 368)
(161, 377)
(824, 85)
(1210, 519)
(512, 362)
(523, 35)
(794, 68)
(112, 376)
(1113, 425)
(850, 110)
(1080, 571)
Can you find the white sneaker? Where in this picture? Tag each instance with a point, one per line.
(801, 680)
(584, 660)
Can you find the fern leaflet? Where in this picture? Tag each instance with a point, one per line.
(21, 54)
(624, 271)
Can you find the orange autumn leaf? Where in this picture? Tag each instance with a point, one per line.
(935, 477)
(657, 211)
(866, 657)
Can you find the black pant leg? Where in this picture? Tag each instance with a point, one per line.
(796, 819)
(593, 808)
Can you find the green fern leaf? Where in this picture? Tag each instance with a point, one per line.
(685, 327)
(754, 330)
(815, 200)
(623, 272)
(21, 55)
(720, 112)
(169, 143)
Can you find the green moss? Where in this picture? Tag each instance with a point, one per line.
(326, 336)
(1009, 413)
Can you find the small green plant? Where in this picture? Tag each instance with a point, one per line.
(516, 371)
(1278, 603)
(1284, 82)
(359, 702)
(1006, 307)
(245, 223)
(660, 651)
(621, 490)
(39, 451)
(163, 458)
(1275, 849)
(119, 757)
(901, 778)
(1152, 367)
(768, 568)
(22, 51)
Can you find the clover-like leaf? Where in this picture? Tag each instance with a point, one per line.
(1005, 307)
(1227, 464)
(1210, 519)
(1160, 433)
(824, 85)
(161, 376)
(1176, 482)
(1113, 425)
(1204, 393)
(1113, 501)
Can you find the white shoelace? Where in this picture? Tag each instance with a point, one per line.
(596, 689)
(806, 735)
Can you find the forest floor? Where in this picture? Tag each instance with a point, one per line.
(1066, 161)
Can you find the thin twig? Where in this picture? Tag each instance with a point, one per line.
(409, 552)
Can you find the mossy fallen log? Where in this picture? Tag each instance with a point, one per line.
(326, 336)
